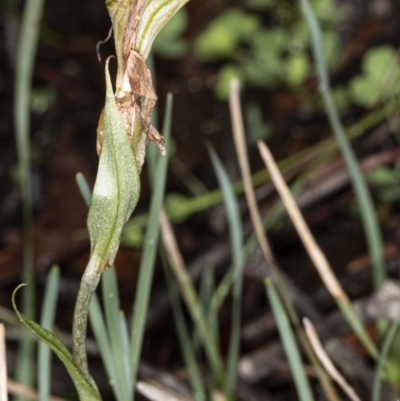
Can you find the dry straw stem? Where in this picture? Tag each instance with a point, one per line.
(3, 364)
(326, 362)
(26, 392)
(241, 150)
(157, 392)
(314, 251)
(193, 303)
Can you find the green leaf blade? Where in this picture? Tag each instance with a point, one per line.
(86, 391)
(117, 188)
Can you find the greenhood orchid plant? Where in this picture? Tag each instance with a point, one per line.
(123, 132)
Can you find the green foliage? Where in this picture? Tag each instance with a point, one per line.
(224, 34)
(376, 66)
(289, 343)
(117, 186)
(87, 390)
(257, 129)
(387, 181)
(297, 68)
(265, 56)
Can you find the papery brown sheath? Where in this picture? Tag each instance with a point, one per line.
(134, 95)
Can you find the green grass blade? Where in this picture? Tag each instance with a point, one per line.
(24, 70)
(47, 322)
(207, 288)
(289, 344)
(368, 216)
(185, 343)
(149, 251)
(193, 304)
(86, 388)
(236, 234)
(125, 344)
(100, 334)
(112, 311)
(386, 345)
(84, 188)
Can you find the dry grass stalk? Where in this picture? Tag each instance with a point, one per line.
(26, 392)
(241, 150)
(3, 364)
(157, 392)
(326, 362)
(313, 249)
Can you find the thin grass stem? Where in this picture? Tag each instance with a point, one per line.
(185, 343)
(47, 322)
(289, 344)
(192, 301)
(314, 251)
(24, 71)
(236, 235)
(149, 252)
(380, 366)
(367, 210)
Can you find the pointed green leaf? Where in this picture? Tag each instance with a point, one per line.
(117, 186)
(86, 391)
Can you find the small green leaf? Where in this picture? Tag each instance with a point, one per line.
(257, 129)
(297, 68)
(384, 177)
(224, 34)
(117, 188)
(376, 61)
(376, 65)
(86, 391)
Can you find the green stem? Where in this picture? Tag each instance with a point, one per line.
(89, 282)
(368, 216)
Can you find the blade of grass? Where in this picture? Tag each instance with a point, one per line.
(386, 345)
(149, 252)
(236, 235)
(25, 61)
(3, 364)
(289, 344)
(185, 343)
(212, 314)
(111, 310)
(84, 188)
(368, 215)
(241, 150)
(326, 362)
(192, 300)
(315, 252)
(101, 335)
(125, 341)
(47, 322)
